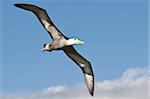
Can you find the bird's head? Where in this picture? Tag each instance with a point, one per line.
(74, 41)
(46, 47)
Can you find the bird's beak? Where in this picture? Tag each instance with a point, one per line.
(80, 42)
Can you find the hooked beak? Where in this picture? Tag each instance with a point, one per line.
(80, 42)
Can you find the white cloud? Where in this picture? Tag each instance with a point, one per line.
(134, 84)
(54, 90)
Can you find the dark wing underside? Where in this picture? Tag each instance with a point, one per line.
(44, 19)
(84, 65)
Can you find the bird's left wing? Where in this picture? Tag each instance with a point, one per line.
(84, 65)
(43, 18)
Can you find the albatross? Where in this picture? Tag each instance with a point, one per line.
(61, 42)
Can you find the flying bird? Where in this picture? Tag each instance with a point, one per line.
(61, 42)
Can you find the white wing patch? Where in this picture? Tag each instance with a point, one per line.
(46, 24)
(82, 65)
(54, 33)
(89, 82)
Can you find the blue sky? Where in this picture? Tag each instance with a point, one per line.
(115, 32)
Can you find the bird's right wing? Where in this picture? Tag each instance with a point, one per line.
(84, 65)
(43, 18)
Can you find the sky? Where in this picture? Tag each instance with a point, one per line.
(116, 36)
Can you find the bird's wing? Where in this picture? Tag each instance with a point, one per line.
(44, 19)
(84, 65)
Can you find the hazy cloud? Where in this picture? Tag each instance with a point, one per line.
(134, 84)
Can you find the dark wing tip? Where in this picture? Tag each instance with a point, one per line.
(29, 7)
(92, 92)
(19, 4)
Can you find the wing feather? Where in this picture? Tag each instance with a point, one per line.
(44, 19)
(84, 65)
